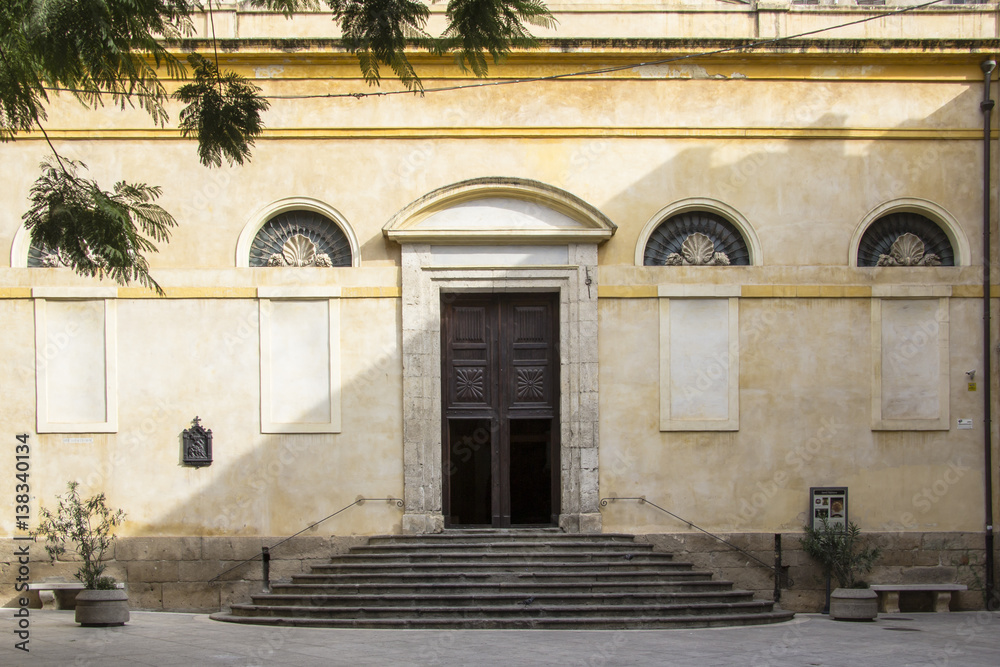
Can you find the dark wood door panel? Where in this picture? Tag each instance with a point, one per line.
(529, 355)
(500, 366)
(470, 356)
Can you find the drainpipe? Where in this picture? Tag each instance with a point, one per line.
(986, 106)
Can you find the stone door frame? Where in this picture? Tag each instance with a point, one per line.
(423, 286)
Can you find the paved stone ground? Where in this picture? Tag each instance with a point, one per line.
(164, 639)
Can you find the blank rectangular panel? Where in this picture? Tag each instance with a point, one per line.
(699, 369)
(699, 359)
(912, 335)
(75, 368)
(75, 361)
(300, 349)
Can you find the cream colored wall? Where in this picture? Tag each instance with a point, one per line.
(805, 410)
(803, 147)
(179, 358)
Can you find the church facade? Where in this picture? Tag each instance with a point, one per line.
(675, 270)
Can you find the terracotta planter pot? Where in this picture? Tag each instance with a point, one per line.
(102, 608)
(853, 604)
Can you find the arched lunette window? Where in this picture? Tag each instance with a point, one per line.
(694, 238)
(300, 238)
(905, 239)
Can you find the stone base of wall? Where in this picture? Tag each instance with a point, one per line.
(907, 558)
(173, 573)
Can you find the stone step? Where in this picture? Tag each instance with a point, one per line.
(542, 579)
(631, 611)
(501, 564)
(565, 623)
(496, 537)
(516, 559)
(432, 598)
(563, 546)
(478, 587)
(587, 575)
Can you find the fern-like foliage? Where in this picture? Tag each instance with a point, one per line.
(96, 232)
(377, 31)
(286, 7)
(223, 111)
(21, 93)
(93, 48)
(478, 27)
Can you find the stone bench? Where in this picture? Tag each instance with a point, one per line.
(58, 594)
(888, 595)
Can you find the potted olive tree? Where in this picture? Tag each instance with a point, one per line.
(844, 555)
(89, 524)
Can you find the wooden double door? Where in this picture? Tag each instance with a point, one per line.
(500, 421)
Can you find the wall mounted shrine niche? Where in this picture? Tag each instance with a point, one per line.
(696, 238)
(197, 445)
(300, 238)
(905, 239)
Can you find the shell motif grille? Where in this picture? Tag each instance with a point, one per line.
(668, 239)
(881, 234)
(329, 238)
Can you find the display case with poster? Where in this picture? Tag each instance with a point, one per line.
(828, 502)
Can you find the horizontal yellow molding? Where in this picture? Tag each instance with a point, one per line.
(603, 292)
(339, 73)
(309, 133)
(827, 55)
(787, 291)
(376, 292)
(189, 293)
(371, 293)
(626, 291)
(967, 291)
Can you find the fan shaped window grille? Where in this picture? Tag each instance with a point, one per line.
(43, 258)
(905, 239)
(696, 238)
(300, 238)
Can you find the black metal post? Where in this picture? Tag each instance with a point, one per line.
(777, 567)
(265, 561)
(986, 106)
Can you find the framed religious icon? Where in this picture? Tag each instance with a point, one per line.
(828, 502)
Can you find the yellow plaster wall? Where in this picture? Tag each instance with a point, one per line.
(805, 388)
(803, 147)
(179, 358)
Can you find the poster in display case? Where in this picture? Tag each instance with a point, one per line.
(830, 503)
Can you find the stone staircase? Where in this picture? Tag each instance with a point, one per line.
(529, 579)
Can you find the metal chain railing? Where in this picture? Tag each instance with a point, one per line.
(265, 553)
(781, 579)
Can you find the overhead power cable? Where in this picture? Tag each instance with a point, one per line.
(589, 72)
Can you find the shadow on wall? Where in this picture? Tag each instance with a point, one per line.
(188, 525)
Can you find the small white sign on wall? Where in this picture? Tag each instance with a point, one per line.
(964, 424)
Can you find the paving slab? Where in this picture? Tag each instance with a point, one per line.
(966, 639)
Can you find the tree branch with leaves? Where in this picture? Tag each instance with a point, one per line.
(99, 50)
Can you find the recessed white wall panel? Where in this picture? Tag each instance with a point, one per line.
(300, 365)
(75, 365)
(699, 367)
(910, 387)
